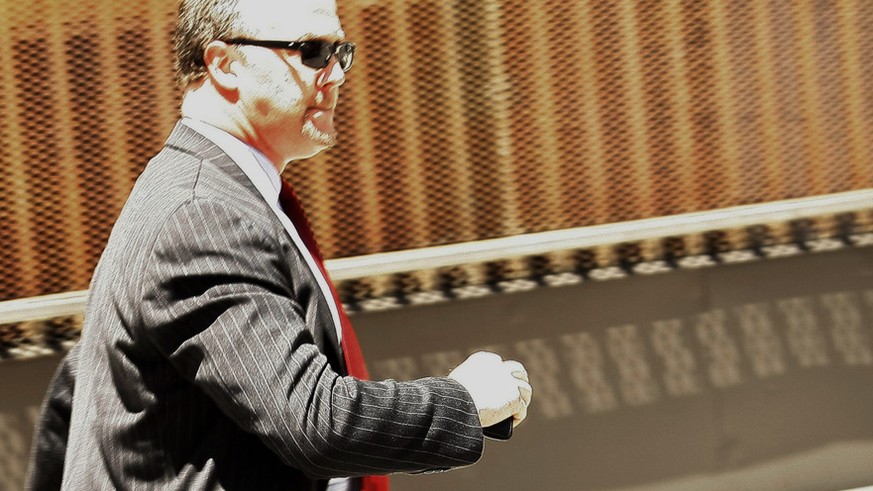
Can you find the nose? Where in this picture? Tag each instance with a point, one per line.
(333, 74)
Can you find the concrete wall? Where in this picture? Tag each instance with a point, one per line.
(750, 376)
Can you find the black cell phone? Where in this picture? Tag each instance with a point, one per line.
(500, 431)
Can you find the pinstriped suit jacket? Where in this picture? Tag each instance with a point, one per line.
(208, 359)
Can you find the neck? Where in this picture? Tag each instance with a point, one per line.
(202, 103)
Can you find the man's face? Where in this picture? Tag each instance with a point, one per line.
(287, 105)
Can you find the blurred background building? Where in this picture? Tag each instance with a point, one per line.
(664, 209)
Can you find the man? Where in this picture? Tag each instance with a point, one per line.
(215, 354)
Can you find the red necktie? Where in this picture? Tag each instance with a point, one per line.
(351, 349)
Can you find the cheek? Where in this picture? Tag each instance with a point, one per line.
(280, 102)
(263, 108)
(289, 96)
(280, 97)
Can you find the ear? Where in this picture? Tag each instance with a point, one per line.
(219, 59)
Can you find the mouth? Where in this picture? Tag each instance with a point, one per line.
(322, 119)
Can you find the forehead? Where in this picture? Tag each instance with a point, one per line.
(291, 19)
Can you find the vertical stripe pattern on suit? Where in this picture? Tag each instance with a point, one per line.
(208, 359)
(351, 350)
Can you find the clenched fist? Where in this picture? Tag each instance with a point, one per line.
(500, 388)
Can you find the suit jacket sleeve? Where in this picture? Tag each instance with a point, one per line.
(217, 302)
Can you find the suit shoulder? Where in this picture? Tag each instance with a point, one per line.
(210, 214)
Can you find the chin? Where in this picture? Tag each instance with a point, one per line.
(310, 151)
(318, 140)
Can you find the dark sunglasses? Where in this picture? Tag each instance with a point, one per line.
(314, 54)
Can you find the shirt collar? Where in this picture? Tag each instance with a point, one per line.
(244, 155)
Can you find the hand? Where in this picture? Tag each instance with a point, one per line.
(500, 389)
